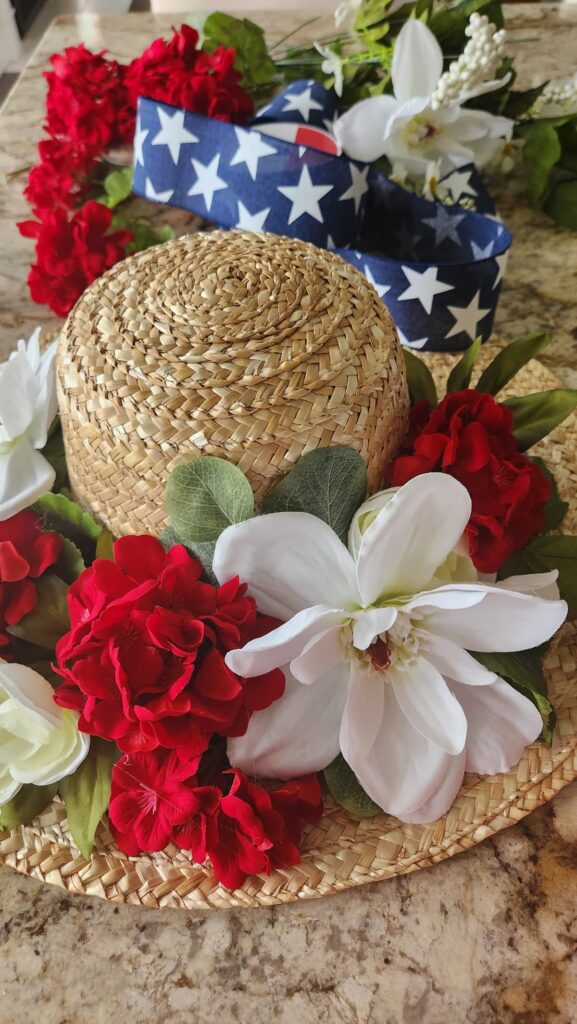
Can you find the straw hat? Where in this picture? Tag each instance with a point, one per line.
(248, 346)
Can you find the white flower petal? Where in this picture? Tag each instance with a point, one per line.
(502, 621)
(412, 536)
(363, 714)
(321, 654)
(443, 797)
(370, 623)
(24, 476)
(290, 561)
(298, 733)
(8, 787)
(428, 703)
(360, 132)
(456, 664)
(67, 749)
(283, 644)
(417, 61)
(447, 596)
(542, 584)
(45, 401)
(16, 395)
(501, 723)
(402, 770)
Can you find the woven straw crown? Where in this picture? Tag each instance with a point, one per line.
(252, 347)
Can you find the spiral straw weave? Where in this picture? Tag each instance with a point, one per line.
(253, 347)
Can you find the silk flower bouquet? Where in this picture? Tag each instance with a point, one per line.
(205, 690)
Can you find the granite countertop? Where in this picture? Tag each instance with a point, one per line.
(487, 938)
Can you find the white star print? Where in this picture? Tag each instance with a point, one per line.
(251, 221)
(331, 244)
(459, 185)
(139, 138)
(207, 180)
(358, 186)
(444, 225)
(419, 343)
(251, 147)
(158, 197)
(303, 103)
(467, 318)
(172, 133)
(381, 289)
(305, 197)
(479, 253)
(423, 286)
(501, 262)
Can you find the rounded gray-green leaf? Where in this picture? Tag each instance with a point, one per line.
(205, 496)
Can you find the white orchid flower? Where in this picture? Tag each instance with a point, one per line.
(415, 126)
(39, 742)
(332, 65)
(374, 649)
(27, 407)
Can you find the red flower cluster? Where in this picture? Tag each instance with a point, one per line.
(72, 253)
(469, 435)
(156, 799)
(26, 552)
(178, 73)
(143, 662)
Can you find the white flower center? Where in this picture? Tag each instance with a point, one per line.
(420, 129)
(395, 648)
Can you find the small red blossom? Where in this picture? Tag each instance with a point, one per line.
(143, 662)
(470, 436)
(177, 72)
(26, 552)
(71, 252)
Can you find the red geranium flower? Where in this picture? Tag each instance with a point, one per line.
(178, 73)
(469, 435)
(72, 253)
(143, 662)
(153, 793)
(26, 552)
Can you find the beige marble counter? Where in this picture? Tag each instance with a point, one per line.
(488, 938)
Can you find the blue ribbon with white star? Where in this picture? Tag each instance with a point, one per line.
(439, 267)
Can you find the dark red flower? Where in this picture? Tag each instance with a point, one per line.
(469, 435)
(154, 793)
(26, 552)
(71, 252)
(143, 662)
(178, 73)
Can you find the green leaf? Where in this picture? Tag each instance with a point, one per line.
(420, 379)
(330, 483)
(561, 204)
(247, 39)
(86, 794)
(28, 803)
(105, 545)
(543, 554)
(117, 186)
(541, 152)
(54, 453)
(555, 509)
(460, 375)
(535, 416)
(524, 671)
(202, 550)
(347, 790)
(510, 360)
(63, 514)
(70, 561)
(49, 620)
(205, 496)
(145, 235)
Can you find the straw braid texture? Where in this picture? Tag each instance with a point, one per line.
(248, 346)
(340, 851)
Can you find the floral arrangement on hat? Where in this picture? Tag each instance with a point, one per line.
(205, 691)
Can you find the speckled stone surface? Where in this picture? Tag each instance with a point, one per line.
(487, 938)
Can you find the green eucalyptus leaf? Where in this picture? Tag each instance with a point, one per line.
(206, 495)
(535, 416)
(524, 671)
(541, 152)
(49, 620)
(543, 554)
(460, 375)
(556, 509)
(330, 483)
(117, 187)
(510, 360)
(86, 793)
(561, 204)
(201, 550)
(61, 513)
(247, 39)
(420, 379)
(28, 803)
(345, 788)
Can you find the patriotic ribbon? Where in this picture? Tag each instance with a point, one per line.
(439, 267)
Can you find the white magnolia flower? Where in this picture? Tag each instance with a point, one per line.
(374, 648)
(331, 65)
(415, 125)
(39, 742)
(27, 407)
